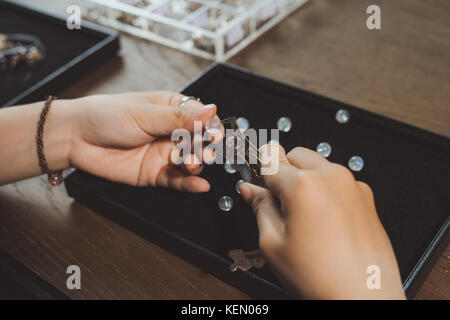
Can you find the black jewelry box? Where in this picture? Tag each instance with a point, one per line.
(407, 168)
(69, 53)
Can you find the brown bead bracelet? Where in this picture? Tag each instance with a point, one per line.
(55, 178)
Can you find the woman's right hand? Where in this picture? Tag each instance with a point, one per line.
(320, 231)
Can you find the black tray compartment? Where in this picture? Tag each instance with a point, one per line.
(407, 168)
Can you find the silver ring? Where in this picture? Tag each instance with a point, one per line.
(186, 99)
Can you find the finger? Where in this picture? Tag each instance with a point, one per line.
(170, 177)
(366, 191)
(271, 156)
(181, 147)
(209, 155)
(276, 169)
(271, 225)
(161, 98)
(169, 98)
(192, 165)
(173, 99)
(163, 120)
(304, 158)
(187, 155)
(283, 182)
(188, 163)
(215, 130)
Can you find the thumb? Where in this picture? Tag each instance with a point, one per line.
(271, 224)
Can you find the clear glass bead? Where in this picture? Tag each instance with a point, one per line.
(284, 124)
(342, 116)
(228, 168)
(324, 149)
(242, 123)
(225, 203)
(356, 163)
(237, 186)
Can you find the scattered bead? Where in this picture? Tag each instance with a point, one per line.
(284, 124)
(324, 149)
(356, 163)
(228, 168)
(242, 123)
(237, 186)
(225, 203)
(342, 116)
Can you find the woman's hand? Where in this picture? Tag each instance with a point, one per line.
(320, 231)
(122, 137)
(126, 138)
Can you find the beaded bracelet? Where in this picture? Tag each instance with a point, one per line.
(55, 178)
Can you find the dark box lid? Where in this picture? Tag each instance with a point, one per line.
(407, 168)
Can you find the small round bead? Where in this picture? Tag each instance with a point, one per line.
(237, 186)
(284, 124)
(242, 123)
(229, 168)
(225, 203)
(342, 116)
(356, 163)
(324, 149)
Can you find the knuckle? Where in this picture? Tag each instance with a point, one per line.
(365, 188)
(260, 200)
(342, 172)
(294, 151)
(303, 180)
(307, 177)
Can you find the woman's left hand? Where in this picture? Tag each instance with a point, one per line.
(126, 138)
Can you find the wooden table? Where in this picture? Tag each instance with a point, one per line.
(401, 71)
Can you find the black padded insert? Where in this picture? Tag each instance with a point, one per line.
(407, 168)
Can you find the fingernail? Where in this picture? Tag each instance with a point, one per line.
(198, 113)
(245, 191)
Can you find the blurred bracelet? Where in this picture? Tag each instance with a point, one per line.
(54, 177)
(17, 49)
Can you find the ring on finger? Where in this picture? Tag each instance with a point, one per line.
(186, 99)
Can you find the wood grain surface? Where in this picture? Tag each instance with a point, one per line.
(401, 71)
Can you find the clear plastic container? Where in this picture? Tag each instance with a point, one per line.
(212, 29)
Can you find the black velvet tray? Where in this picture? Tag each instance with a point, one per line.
(408, 169)
(69, 53)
